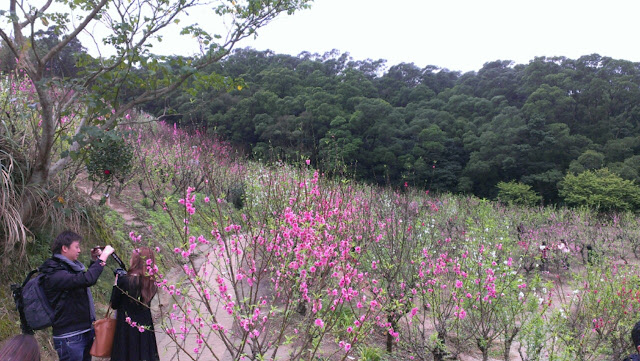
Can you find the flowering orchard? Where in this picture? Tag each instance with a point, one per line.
(172, 160)
(283, 263)
(307, 268)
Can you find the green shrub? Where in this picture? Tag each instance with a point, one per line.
(109, 158)
(371, 353)
(600, 189)
(517, 193)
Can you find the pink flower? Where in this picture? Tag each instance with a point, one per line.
(319, 323)
(308, 161)
(458, 283)
(462, 314)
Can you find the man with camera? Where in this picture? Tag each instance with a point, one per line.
(66, 285)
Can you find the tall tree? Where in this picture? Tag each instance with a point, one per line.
(95, 97)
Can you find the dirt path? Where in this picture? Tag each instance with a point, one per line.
(129, 217)
(169, 350)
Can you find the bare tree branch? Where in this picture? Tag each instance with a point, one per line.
(32, 19)
(74, 34)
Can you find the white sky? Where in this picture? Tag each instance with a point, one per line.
(455, 34)
(458, 34)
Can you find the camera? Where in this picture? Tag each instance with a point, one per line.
(115, 257)
(119, 272)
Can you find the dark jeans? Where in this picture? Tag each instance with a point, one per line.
(74, 348)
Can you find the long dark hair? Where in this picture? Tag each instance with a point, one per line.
(20, 348)
(139, 267)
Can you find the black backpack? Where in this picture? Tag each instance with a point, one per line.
(35, 310)
(632, 357)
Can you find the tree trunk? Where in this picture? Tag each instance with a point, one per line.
(483, 345)
(392, 321)
(440, 351)
(485, 353)
(507, 349)
(44, 145)
(389, 343)
(509, 341)
(45, 141)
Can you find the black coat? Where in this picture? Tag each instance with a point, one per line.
(129, 343)
(66, 290)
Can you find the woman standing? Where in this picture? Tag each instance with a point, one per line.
(135, 339)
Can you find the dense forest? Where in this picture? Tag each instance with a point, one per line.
(432, 127)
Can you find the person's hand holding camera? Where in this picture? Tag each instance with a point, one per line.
(95, 253)
(106, 252)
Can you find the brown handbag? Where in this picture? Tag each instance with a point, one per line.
(105, 329)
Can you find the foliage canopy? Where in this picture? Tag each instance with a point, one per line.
(600, 189)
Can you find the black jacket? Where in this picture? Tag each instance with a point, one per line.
(67, 292)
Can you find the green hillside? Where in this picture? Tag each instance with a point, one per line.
(433, 128)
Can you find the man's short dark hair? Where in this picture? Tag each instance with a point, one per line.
(635, 335)
(64, 239)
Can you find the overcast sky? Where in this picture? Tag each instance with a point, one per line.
(458, 34)
(455, 34)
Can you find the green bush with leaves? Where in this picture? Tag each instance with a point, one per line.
(600, 189)
(517, 193)
(371, 353)
(109, 158)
